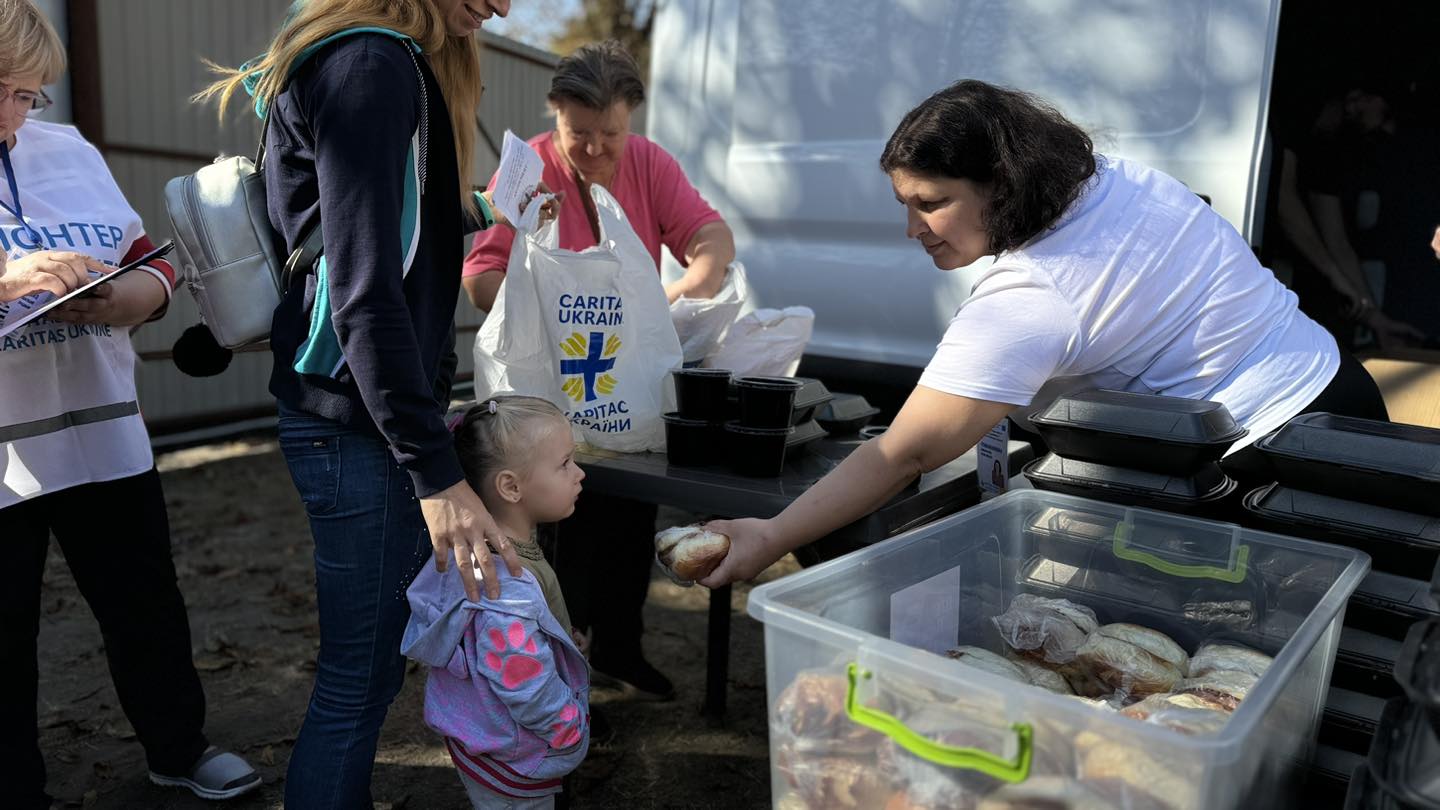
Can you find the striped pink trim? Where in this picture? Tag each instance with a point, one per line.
(492, 775)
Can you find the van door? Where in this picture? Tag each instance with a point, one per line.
(778, 110)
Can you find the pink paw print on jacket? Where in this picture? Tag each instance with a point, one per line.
(567, 731)
(515, 668)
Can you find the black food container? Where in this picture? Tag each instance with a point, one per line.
(703, 393)
(1200, 493)
(761, 452)
(1399, 542)
(1387, 604)
(846, 414)
(1171, 435)
(1383, 463)
(759, 404)
(693, 442)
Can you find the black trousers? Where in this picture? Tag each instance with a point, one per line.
(115, 537)
(602, 556)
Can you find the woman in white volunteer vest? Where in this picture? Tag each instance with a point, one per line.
(1107, 274)
(75, 458)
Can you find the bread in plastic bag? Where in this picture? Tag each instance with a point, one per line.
(1045, 629)
(1186, 714)
(810, 714)
(827, 782)
(1064, 793)
(981, 658)
(1047, 678)
(927, 784)
(1219, 656)
(1224, 688)
(1138, 774)
(1133, 660)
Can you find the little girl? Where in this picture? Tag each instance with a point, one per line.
(508, 688)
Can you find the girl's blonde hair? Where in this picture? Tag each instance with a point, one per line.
(498, 433)
(455, 61)
(28, 43)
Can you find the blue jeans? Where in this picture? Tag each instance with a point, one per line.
(370, 542)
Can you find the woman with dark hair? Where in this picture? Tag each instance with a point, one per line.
(1107, 274)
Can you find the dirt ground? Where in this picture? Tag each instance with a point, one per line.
(242, 550)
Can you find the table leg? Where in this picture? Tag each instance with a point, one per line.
(717, 654)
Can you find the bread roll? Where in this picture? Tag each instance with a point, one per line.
(811, 712)
(1046, 793)
(1131, 659)
(830, 782)
(1135, 771)
(690, 552)
(1048, 630)
(1186, 714)
(1224, 687)
(1041, 675)
(981, 658)
(1216, 657)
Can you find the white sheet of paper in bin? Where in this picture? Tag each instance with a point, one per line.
(521, 170)
(927, 614)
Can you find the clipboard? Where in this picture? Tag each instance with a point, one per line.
(17, 313)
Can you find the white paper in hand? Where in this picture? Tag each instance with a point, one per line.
(521, 170)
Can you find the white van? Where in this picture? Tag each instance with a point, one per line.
(778, 110)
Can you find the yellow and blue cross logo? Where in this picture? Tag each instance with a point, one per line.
(588, 369)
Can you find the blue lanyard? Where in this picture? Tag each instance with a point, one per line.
(17, 211)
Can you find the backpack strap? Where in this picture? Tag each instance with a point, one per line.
(302, 259)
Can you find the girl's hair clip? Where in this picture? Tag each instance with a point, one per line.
(492, 407)
(455, 421)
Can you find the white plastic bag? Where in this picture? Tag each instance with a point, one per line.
(589, 331)
(702, 323)
(766, 342)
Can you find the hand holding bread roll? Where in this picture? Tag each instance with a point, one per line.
(690, 552)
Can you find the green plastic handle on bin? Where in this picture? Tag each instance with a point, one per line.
(1233, 575)
(1007, 770)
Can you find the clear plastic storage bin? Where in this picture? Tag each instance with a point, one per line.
(866, 711)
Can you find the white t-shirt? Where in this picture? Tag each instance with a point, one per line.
(68, 411)
(1141, 287)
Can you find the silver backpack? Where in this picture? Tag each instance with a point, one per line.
(227, 249)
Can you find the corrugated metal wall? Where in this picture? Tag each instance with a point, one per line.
(149, 63)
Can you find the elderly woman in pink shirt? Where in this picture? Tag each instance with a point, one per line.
(592, 94)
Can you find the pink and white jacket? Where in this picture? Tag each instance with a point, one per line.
(506, 681)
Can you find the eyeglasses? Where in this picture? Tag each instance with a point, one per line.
(28, 101)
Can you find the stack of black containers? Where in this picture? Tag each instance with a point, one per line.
(1374, 486)
(1139, 450)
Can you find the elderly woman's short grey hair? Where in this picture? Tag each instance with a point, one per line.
(597, 76)
(29, 45)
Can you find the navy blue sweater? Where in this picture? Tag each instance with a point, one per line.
(339, 148)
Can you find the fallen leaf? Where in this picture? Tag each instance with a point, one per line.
(213, 664)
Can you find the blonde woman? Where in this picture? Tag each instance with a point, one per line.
(371, 134)
(75, 459)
